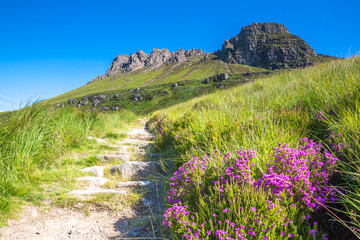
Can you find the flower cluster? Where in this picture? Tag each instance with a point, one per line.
(302, 173)
(246, 207)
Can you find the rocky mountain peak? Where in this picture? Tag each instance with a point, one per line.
(140, 59)
(267, 45)
(269, 27)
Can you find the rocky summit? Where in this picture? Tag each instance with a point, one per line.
(268, 45)
(158, 57)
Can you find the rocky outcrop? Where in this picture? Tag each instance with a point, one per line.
(268, 45)
(158, 57)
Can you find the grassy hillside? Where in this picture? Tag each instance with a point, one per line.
(33, 142)
(194, 69)
(255, 159)
(259, 123)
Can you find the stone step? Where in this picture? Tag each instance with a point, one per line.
(135, 169)
(99, 140)
(115, 153)
(94, 181)
(132, 184)
(142, 137)
(98, 171)
(96, 191)
(123, 157)
(133, 142)
(120, 148)
(140, 134)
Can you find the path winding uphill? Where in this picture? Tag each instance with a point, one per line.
(135, 174)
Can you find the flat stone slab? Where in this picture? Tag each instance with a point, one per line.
(96, 191)
(94, 181)
(120, 148)
(123, 157)
(130, 142)
(132, 184)
(135, 169)
(99, 140)
(98, 171)
(140, 134)
(116, 153)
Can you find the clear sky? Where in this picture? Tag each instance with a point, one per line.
(50, 47)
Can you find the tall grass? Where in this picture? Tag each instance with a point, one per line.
(33, 139)
(321, 103)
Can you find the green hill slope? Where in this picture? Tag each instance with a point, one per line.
(319, 103)
(194, 70)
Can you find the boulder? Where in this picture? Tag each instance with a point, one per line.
(72, 100)
(136, 97)
(223, 76)
(96, 102)
(206, 81)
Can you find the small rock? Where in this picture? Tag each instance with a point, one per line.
(136, 97)
(71, 100)
(96, 102)
(174, 85)
(206, 81)
(223, 76)
(98, 171)
(132, 184)
(115, 108)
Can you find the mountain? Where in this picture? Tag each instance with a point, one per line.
(126, 63)
(268, 45)
(162, 78)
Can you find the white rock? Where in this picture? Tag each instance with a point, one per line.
(94, 181)
(95, 191)
(98, 171)
(132, 184)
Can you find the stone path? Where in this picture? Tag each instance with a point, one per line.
(138, 164)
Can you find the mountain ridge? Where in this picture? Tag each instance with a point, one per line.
(267, 45)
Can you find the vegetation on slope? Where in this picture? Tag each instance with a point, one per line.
(320, 103)
(255, 116)
(32, 143)
(195, 69)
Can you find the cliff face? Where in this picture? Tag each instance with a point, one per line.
(268, 45)
(126, 63)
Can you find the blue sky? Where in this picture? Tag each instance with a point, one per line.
(50, 47)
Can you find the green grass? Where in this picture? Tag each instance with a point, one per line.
(195, 69)
(280, 108)
(37, 143)
(33, 143)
